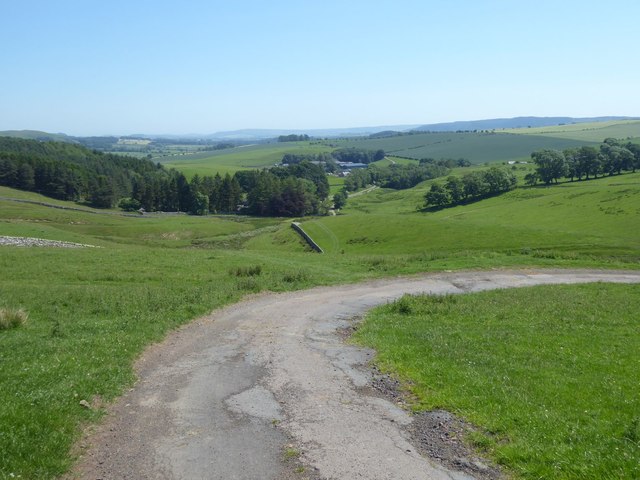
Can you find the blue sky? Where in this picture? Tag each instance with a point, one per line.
(93, 68)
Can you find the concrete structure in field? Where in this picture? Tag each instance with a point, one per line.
(298, 228)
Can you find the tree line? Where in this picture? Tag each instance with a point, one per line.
(68, 171)
(470, 187)
(610, 158)
(358, 155)
(293, 138)
(72, 172)
(325, 159)
(398, 177)
(329, 160)
(294, 190)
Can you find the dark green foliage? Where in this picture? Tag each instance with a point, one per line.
(398, 177)
(290, 191)
(293, 138)
(447, 162)
(358, 179)
(129, 204)
(356, 155)
(101, 195)
(324, 159)
(69, 172)
(283, 197)
(550, 165)
(471, 187)
(611, 158)
(531, 179)
(437, 195)
(615, 158)
(199, 204)
(340, 199)
(306, 170)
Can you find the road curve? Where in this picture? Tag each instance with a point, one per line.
(221, 397)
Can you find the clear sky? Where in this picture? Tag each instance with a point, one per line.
(89, 67)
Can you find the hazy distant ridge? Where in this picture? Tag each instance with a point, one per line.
(258, 134)
(516, 122)
(326, 132)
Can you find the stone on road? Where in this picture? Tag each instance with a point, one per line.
(221, 397)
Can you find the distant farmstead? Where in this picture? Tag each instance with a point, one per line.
(350, 166)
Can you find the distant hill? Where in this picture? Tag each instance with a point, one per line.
(38, 135)
(516, 122)
(262, 134)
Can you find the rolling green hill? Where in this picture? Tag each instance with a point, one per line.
(499, 145)
(38, 135)
(93, 310)
(239, 158)
(596, 219)
(590, 132)
(477, 147)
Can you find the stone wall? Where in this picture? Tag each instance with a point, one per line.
(298, 228)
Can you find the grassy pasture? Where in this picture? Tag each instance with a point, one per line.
(335, 184)
(239, 158)
(20, 219)
(479, 147)
(476, 147)
(498, 146)
(92, 311)
(590, 132)
(582, 221)
(549, 374)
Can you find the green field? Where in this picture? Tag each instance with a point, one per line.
(479, 147)
(497, 146)
(475, 147)
(239, 158)
(597, 219)
(92, 311)
(555, 393)
(590, 132)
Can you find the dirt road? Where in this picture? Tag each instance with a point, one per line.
(232, 395)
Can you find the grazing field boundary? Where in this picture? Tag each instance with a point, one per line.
(296, 226)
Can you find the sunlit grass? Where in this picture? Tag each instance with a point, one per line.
(550, 374)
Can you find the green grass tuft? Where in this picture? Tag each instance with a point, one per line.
(12, 318)
(250, 271)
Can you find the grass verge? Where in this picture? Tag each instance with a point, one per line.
(550, 374)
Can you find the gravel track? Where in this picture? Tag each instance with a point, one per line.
(235, 394)
(39, 242)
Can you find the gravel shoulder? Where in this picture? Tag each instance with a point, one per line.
(268, 389)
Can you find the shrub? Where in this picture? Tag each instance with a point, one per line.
(129, 204)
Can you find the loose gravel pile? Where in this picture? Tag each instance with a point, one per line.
(39, 242)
